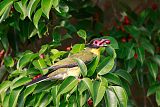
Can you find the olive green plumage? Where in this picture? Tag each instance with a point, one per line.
(68, 66)
(86, 56)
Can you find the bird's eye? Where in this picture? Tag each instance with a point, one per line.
(95, 42)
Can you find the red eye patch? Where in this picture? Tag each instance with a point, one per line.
(101, 42)
(96, 42)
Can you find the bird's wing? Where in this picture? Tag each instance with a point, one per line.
(69, 62)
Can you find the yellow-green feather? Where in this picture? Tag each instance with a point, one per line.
(86, 55)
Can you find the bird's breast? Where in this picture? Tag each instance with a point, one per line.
(63, 73)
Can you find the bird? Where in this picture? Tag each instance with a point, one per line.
(68, 66)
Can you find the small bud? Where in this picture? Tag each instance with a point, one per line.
(34, 78)
(126, 20)
(37, 76)
(124, 40)
(135, 56)
(68, 48)
(154, 6)
(41, 56)
(90, 102)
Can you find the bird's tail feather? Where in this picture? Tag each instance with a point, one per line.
(37, 80)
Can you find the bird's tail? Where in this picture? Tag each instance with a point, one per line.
(37, 80)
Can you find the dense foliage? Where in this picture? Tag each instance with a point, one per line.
(103, 82)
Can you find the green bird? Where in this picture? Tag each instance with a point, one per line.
(68, 66)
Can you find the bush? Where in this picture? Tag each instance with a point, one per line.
(104, 82)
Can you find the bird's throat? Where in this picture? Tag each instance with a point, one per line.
(96, 51)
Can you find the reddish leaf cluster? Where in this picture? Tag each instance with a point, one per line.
(126, 20)
(135, 56)
(126, 39)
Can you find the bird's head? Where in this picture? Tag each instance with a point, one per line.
(98, 42)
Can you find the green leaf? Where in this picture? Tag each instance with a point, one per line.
(110, 51)
(125, 75)
(82, 66)
(77, 48)
(24, 2)
(38, 99)
(130, 51)
(158, 97)
(153, 69)
(8, 61)
(6, 101)
(104, 81)
(82, 33)
(81, 100)
(105, 66)
(67, 85)
(143, 16)
(37, 17)
(23, 96)
(92, 66)
(5, 14)
(66, 36)
(31, 7)
(40, 64)
(156, 59)
(114, 43)
(123, 52)
(55, 3)
(14, 96)
(130, 64)
(141, 54)
(45, 100)
(25, 59)
(82, 87)
(29, 90)
(99, 90)
(46, 6)
(2, 97)
(113, 78)
(153, 89)
(45, 85)
(89, 84)
(21, 9)
(148, 46)
(133, 30)
(20, 82)
(4, 86)
(43, 49)
(4, 40)
(4, 5)
(56, 99)
(110, 99)
(121, 95)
